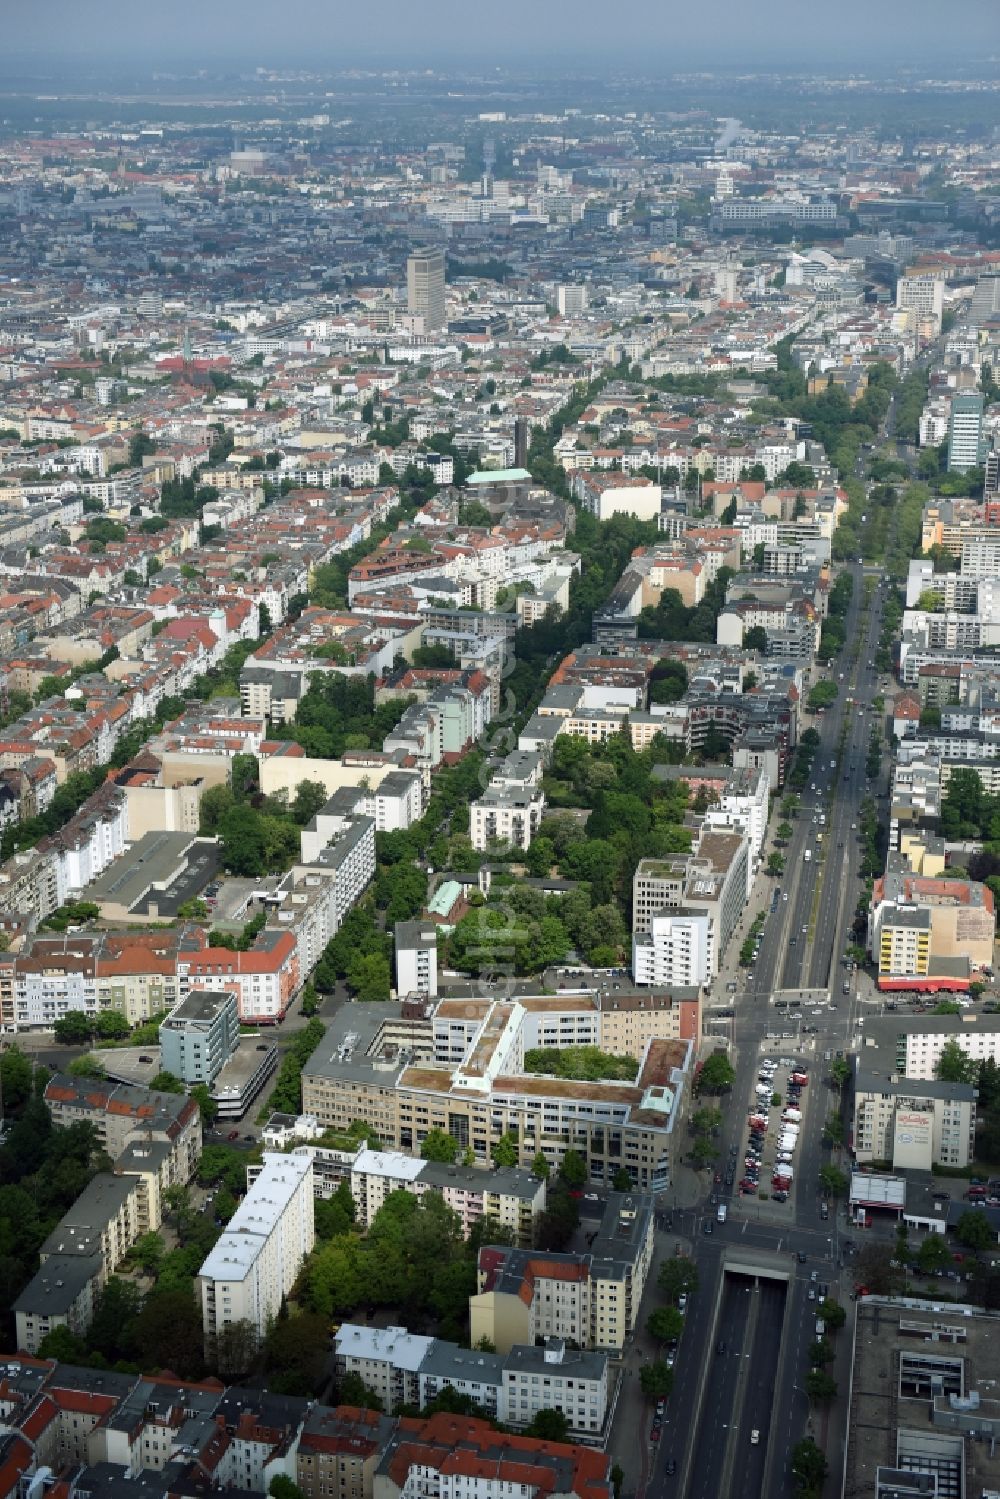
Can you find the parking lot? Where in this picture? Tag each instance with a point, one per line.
(772, 1131)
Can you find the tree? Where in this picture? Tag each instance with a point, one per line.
(809, 1467)
(335, 1215)
(974, 1231)
(241, 834)
(438, 1145)
(783, 832)
(169, 1331)
(352, 1390)
(540, 1166)
(111, 1025)
(622, 1180)
(148, 1252)
(876, 1270)
(840, 1071)
(549, 1425)
(832, 1313)
(933, 1254)
(73, 1029)
(15, 1079)
(282, 1487)
(505, 1151)
(833, 1181)
(954, 1065)
(717, 1074)
(573, 1169)
(207, 1106)
(775, 865)
(678, 1276)
(368, 975)
(295, 1352)
(664, 1323)
(820, 1386)
(656, 1380)
(166, 1082)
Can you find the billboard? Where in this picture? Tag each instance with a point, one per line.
(913, 1140)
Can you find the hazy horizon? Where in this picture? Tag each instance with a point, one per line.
(855, 35)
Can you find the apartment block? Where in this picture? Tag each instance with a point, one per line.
(911, 1124)
(929, 933)
(82, 1251)
(416, 957)
(589, 1300)
(123, 1116)
(256, 1261)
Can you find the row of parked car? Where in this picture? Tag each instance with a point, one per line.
(788, 1133)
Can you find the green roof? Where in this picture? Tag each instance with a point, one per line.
(444, 897)
(498, 476)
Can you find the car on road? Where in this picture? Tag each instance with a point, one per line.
(661, 1406)
(671, 1467)
(682, 1302)
(754, 1437)
(706, 1227)
(802, 1256)
(234, 1134)
(812, 1293)
(654, 1435)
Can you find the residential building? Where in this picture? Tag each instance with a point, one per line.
(911, 1124)
(591, 1300)
(675, 951)
(256, 1261)
(416, 958)
(123, 1116)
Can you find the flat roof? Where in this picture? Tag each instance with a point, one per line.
(256, 1217)
(394, 1345)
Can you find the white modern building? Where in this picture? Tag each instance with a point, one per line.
(676, 951)
(416, 958)
(255, 1262)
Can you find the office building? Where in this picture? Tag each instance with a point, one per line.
(924, 1416)
(458, 1065)
(199, 1036)
(255, 1263)
(966, 443)
(425, 294)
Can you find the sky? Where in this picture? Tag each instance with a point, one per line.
(649, 33)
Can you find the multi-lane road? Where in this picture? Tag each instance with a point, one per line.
(757, 1384)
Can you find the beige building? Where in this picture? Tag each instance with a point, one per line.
(913, 1124)
(591, 1300)
(163, 806)
(407, 1069)
(122, 1115)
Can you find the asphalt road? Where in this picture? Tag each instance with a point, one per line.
(711, 1411)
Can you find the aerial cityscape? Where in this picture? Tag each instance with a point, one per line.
(499, 751)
